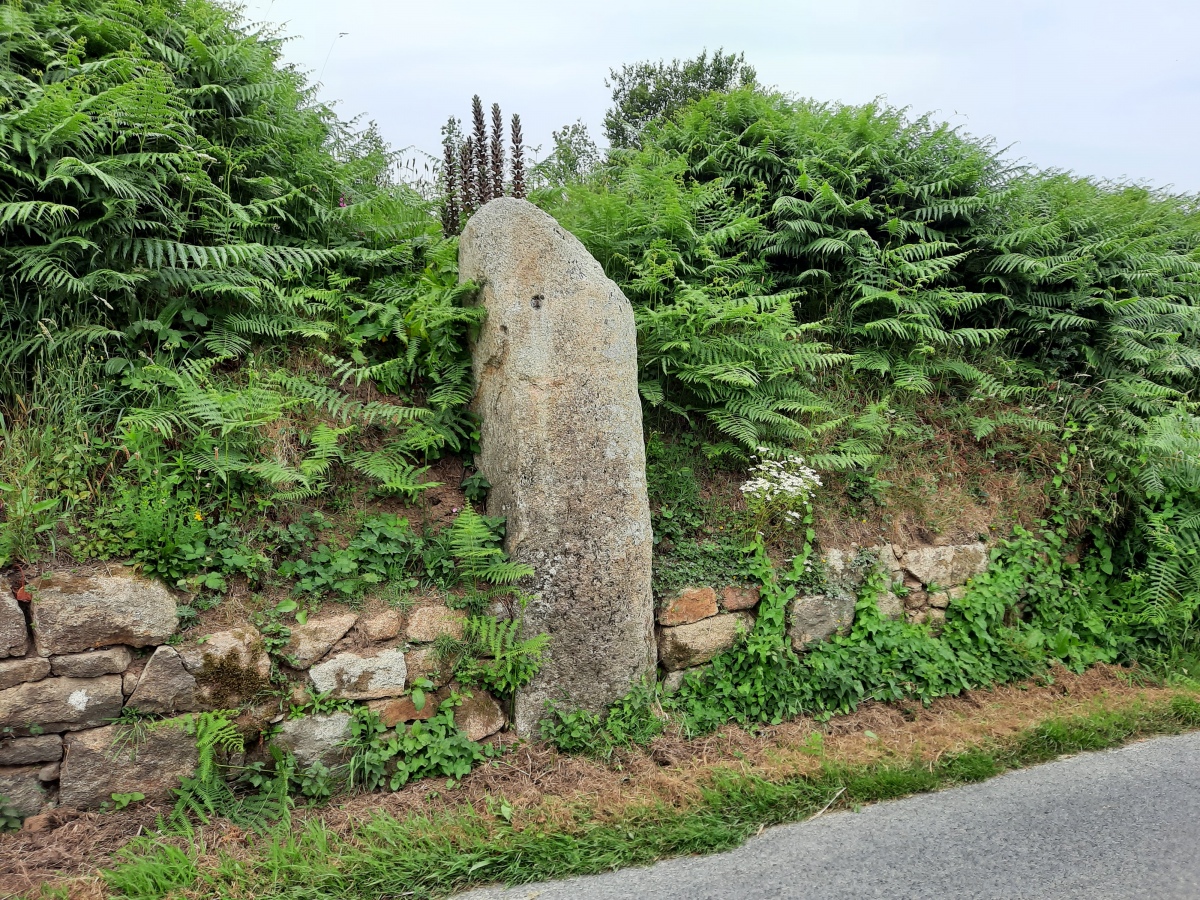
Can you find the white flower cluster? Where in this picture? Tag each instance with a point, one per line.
(787, 481)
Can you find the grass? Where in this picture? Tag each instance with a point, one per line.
(429, 856)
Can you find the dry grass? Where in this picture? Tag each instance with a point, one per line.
(549, 788)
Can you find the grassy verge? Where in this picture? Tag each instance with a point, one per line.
(434, 856)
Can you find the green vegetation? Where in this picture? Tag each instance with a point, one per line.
(440, 855)
(235, 349)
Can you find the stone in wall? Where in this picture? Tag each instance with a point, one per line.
(19, 671)
(106, 761)
(946, 566)
(382, 625)
(556, 387)
(423, 662)
(61, 704)
(353, 676)
(316, 739)
(813, 619)
(735, 598)
(93, 663)
(688, 605)
(42, 748)
(165, 686)
(479, 715)
(685, 646)
(427, 623)
(316, 637)
(229, 666)
(14, 636)
(23, 789)
(72, 613)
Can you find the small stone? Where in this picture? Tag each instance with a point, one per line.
(103, 762)
(814, 619)
(240, 648)
(936, 619)
(402, 709)
(73, 613)
(956, 593)
(39, 823)
(49, 772)
(165, 686)
(316, 739)
(479, 715)
(916, 599)
(424, 663)
(20, 671)
(14, 635)
(673, 681)
(939, 600)
(684, 646)
(428, 623)
(360, 677)
(735, 598)
(689, 605)
(129, 682)
(312, 640)
(890, 606)
(92, 664)
(917, 616)
(382, 626)
(23, 791)
(61, 704)
(42, 748)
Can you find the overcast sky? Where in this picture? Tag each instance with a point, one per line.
(1099, 87)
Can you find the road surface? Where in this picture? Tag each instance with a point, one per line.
(1102, 826)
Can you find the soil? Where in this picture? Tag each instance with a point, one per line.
(545, 786)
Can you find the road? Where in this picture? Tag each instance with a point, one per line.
(1103, 826)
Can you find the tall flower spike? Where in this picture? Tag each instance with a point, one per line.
(466, 159)
(518, 158)
(483, 181)
(497, 152)
(451, 213)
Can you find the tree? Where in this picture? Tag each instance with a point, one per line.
(646, 91)
(575, 155)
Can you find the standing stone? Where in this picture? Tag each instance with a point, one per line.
(556, 386)
(73, 613)
(14, 636)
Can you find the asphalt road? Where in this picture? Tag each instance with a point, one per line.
(1119, 824)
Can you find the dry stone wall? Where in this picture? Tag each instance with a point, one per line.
(83, 647)
(698, 622)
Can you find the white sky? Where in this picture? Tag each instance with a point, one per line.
(1100, 87)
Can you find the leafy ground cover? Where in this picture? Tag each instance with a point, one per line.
(534, 814)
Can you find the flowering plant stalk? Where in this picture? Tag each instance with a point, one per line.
(779, 492)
